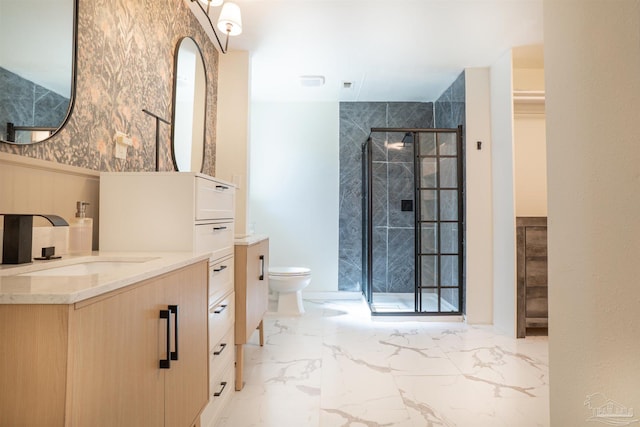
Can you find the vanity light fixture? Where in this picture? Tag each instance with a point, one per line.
(229, 21)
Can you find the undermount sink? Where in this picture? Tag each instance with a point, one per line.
(89, 267)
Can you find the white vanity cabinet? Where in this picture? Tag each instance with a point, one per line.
(178, 211)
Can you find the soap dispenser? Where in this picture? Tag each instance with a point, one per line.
(81, 231)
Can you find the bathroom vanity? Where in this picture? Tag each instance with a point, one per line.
(85, 344)
(252, 294)
(176, 211)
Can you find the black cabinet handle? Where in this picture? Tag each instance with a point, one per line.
(222, 267)
(166, 363)
(222, 347)
(222, 308)
(219, 228)
(174, 309)
(261, 268)
(218, 393)
(222, 187)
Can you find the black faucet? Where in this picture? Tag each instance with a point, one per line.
(17, 236)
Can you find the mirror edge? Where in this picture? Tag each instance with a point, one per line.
(74, 65)
(173, 104)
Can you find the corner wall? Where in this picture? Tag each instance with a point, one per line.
(592, 104)
(479, 208)
(502, 161)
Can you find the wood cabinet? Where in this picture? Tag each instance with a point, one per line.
(252, 296)
(176, 211)
(97, 362)
(532, 291)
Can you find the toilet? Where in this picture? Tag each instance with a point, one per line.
(287, 283)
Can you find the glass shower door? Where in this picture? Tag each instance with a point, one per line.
(439, 256)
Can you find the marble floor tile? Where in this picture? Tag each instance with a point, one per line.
(338, 366)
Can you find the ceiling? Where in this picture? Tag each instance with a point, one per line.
(393, 50)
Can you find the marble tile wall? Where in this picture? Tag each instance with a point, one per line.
(393, 182)
(25, 103)
(450, 113)
(124, 64)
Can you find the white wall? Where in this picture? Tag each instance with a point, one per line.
(530, 165)
(592, 74)
(232, 131)
(504, 243)
(479, 220)
(294, 185)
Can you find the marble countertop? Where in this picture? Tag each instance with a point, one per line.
(249, 239)
(18, 287)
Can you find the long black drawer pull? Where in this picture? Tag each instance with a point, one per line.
(166, 363)
(219, 228)
(222, 347)
(222, 267)
(222, 308)
(261, 268)
(174, 310)
(218, 393)
(222, 187)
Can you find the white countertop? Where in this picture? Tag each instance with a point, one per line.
(249, 239)
(17, 288)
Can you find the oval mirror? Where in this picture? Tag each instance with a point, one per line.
(189, 107)
(37, 68)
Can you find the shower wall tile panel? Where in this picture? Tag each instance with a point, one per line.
(25, 103)
(356, 121)
(125, 64)
(400, 188)
(380, 196)
(400, 277)
(450, 113)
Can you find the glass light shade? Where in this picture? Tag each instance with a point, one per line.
(230, 20)
(213, 3)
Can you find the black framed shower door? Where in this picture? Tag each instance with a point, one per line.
(413, 221)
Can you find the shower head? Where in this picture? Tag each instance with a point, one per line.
(407, 138)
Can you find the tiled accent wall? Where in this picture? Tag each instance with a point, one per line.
(393, 229)
(450, 113)
(393, 232)
(125, 64)
(24, 103)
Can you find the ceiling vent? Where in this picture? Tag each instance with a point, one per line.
(347, 85)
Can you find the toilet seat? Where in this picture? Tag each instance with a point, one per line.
(289, 271)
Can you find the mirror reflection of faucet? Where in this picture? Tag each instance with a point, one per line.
(18, 233)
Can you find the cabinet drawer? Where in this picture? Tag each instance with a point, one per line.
(224, 388)
(219, 357)
(215, 237)
(221, 318)
(221, 275)
(213, 200)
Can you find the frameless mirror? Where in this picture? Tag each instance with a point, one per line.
(189, 107)
(37, 68)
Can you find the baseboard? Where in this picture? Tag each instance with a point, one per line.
(331, 295)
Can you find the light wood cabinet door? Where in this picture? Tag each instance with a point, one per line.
(252, 288)
(117, 343)
(186, 381)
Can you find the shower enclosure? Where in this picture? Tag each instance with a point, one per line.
(412, 221)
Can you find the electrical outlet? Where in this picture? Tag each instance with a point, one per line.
(122, 142)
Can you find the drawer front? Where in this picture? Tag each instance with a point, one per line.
(220, 394)
(221, 318)
(215, 237)
(220, 356)
(220, 279)
(214, 200)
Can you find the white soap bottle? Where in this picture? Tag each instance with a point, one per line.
(81, 231)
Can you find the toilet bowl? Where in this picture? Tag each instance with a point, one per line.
(288, 283)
